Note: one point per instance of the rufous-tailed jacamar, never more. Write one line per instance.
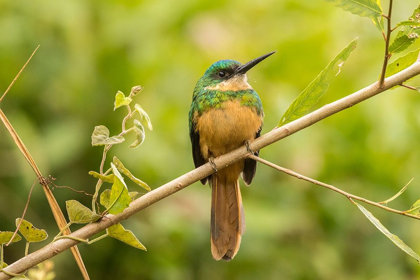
(225, 114)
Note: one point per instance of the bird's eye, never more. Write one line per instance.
(222, 74)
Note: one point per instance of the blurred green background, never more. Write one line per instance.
(295, 230)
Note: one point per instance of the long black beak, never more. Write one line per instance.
(245, 67)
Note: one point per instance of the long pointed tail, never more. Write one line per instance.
(227, 217)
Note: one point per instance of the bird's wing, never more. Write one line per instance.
(250, 165)
(196, 151)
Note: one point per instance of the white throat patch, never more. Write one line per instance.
(238, 82)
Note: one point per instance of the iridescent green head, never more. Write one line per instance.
(227, 74)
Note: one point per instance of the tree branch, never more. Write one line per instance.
(205, 170)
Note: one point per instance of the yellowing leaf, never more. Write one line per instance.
(119, 199)
(31, 233)
(104, 198)
(397, 241)
(120, 233)
(121, 100)
(100, 137)
(120, 166)
(80, 214)
(5, 237)
(106, 178)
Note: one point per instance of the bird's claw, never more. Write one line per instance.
(213, 165)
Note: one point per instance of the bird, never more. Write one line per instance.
(225, 114)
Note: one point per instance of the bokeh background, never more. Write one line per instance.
(295, 230)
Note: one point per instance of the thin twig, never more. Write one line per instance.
(18, 74)
(409, 87)
(23, 214)
(346, 194)
(387, 40)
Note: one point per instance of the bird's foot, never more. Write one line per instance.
(211, 161)
(247, 145)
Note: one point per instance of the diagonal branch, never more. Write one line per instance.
(205, 170)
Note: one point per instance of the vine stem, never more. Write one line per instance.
(387, 37)
(331, 187)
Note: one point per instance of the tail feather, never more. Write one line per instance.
(227, 218)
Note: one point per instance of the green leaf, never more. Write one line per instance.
(31, 233)
(119, 199)
(379, 21)
(412, 23)
(80, 214)
(415, 208)
(397, 194)
(408, 34)
(121, 100)
(105, 178)
(144, 116)
(313, 92)
(401, 42)
(5, 237)
(397, 241)
(363, 8)
(401, 63)
(120, 166)
(100, 137)
(120, 233)
(140, 135)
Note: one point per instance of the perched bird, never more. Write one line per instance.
(225, 114)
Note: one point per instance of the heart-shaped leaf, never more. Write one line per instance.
(5, 237)
(80, 214)
(100, 137)
(31, 233)
(121, 100)
(120, 233)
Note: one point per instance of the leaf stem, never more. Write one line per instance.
(27, 248)
(346, 194)
(98, 238)
(387, 55)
